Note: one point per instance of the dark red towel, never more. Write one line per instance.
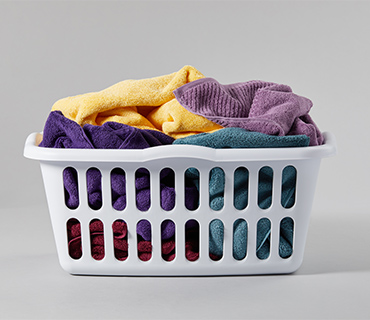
(121, 244)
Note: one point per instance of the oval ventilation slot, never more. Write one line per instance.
(241, 176)
(168, 194)
(142, 186)
(265, 178)
(286, 237)
(288, 188)
(240, 237)
(74, 238)
(216, 239)
(192, 240)
(263, 238)
(70, 183)
(97, 239)
(191, 189)
(216, 188)
(118, 188)
(94, 192)
(119, 228)
(144, 240)
(168, 232)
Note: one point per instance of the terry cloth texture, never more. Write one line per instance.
(239, 138)
(254, 105)
(144, 104)
(61, 132)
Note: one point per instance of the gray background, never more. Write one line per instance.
(50, 50)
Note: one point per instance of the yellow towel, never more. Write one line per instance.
(145, 104)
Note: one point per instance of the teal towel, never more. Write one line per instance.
(216, 236)
(240, 138)
(240, 233)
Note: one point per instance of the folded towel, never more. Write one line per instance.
(254, 105)
(240, 138)
(145, 104)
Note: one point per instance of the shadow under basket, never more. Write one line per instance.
(96, 238)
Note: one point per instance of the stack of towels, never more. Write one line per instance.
(182, 108)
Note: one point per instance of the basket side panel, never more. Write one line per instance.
(306, 180)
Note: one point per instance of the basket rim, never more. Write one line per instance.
(33, 151)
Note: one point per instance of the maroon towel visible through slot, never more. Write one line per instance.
(121, 244)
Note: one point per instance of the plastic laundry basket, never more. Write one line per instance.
(179, 158)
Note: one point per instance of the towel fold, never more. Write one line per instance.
(145, 104)
(258, 106)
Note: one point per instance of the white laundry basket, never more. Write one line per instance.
(179, 158)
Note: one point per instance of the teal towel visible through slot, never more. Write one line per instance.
(240, 138)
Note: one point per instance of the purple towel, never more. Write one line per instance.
(61, 132)
(254, 105)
